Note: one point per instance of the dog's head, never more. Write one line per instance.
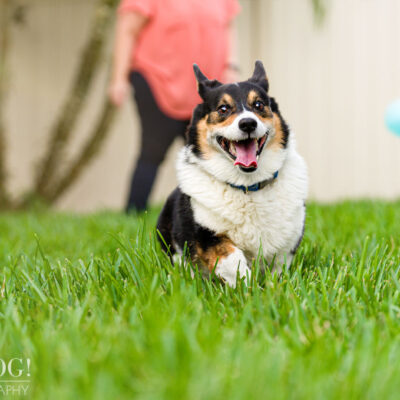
(237, 134)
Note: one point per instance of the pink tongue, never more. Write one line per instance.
(246, 153)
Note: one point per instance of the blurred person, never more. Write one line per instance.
(156, 44)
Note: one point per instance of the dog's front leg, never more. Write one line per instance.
(227, 260)
(227, 267)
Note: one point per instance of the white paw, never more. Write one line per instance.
(227, 268)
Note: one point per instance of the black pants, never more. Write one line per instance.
(158, 132)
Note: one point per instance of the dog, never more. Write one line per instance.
(242, 185)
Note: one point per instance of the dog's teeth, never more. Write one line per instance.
(232, 148)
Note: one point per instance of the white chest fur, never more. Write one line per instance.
(270, 219)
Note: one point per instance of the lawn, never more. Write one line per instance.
(102, 314)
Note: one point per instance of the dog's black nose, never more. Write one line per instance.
(247, 125)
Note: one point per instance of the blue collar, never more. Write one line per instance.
(257, 186)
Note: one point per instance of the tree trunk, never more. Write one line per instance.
(5, 24)
(73, 105)
(319, 8)
(90, 149)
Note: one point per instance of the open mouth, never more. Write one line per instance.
(245, 153)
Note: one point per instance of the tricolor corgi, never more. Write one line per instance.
(241, 183)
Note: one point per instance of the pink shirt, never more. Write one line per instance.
(178, 34)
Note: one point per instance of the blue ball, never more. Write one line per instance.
(392, 117)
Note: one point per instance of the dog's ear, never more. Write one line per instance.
(203, 83)
(259, 76)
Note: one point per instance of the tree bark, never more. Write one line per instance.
(5, 24)
(73, 105)
(91, 148)
(319, 8)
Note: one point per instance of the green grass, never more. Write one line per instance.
(102, 314)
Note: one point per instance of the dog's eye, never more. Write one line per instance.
(223, 110)
(259, 105)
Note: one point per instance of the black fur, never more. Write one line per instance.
(239, 95)
(176, 225)
(212, 92)
(191, 136)
(204, 84)
(259, 76)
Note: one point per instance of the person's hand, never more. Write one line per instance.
(118, 90)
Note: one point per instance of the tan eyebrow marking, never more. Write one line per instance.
(226, 99)
(215, 119)
(252, 97)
